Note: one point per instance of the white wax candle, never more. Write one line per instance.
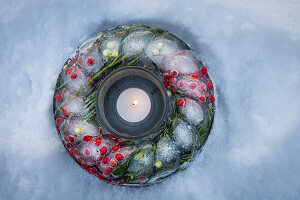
(133, 105)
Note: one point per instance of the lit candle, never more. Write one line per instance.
(133, 105)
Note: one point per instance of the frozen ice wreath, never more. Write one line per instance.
(124, 144)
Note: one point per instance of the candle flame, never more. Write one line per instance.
(134, 103)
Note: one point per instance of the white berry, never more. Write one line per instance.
(110, 45)
(114, 54)
(155, 52)
(106, 52)
(160, 45)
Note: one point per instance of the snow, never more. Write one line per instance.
(252, 53)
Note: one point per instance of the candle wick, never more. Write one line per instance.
(134, 102)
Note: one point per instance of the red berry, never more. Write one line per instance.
(70, 153)
(184, 53)
(58, 97)
(106, 174)
(75, 151)
(171, 81)
(99, 158)
(202, 98)
(173, 73)
(57, 128)
(115, 148)
(180, 102)
(90, 61)
(65, 112)
(204, 70)
(113, 163)
(68, 70)
(195, 76)
(69, 145)
(101, 177)
(166, 84)
(85, 167)
(210, 85)
(93, 170)
(86, 152)
(71, 138)
(88, 79)
(65, 139)
(108, 169)
(87, 138)
(166, 76)
(203, 87)
(196, 71)
(142, 179)
(103, 150)
(105, 160)
(79, 160)
(192, 85)
(120, 143)
(119, 157)
(74, 76)
(211, 98)
(59, 120)
(98, 141)
(180, 84)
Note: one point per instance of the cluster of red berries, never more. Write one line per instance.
(74, 71)
(111, 160)
(69, 70)
(170, 80)
(108, 158)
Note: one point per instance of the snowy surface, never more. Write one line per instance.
(252, 49)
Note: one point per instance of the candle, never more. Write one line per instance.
(133, 105)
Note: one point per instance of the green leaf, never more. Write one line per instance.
(122, 168)
(59, 83)
(205, 127)
(153, 148)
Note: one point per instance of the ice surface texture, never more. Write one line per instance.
(124, 162)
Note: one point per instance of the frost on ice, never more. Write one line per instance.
(142, 163)
(136, 41)
(183, 136)
(192, 111)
